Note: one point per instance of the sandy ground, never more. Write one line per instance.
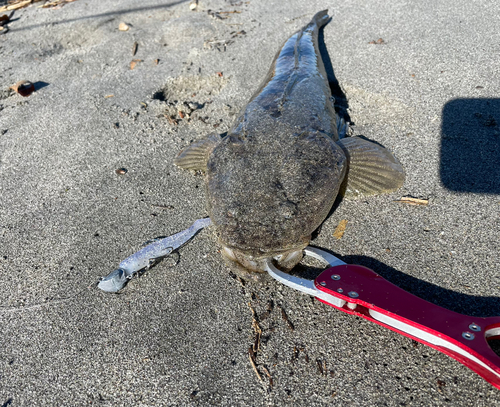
(428, 91)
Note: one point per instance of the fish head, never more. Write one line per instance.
(266, 195)
(250, 265)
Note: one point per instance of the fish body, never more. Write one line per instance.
(272, 180)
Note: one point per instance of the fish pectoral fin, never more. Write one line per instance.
(372, 169)
(195, 157)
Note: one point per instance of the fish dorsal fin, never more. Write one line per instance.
(372, 169)
(195, 157)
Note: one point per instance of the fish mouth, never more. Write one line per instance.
(253, 268)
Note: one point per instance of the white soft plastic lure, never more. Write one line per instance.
(142, 259)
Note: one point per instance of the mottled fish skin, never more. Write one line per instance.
(273, 179)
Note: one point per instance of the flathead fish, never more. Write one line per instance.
(273, 178)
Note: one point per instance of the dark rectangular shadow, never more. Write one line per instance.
(470, 146)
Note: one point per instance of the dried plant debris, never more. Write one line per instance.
(285, 318)
(251, 356)
(219, 45)
(340, 229)
(17, 4)
(171, 120)
(322, 367)
(235, 34)
(221, 15)
(229, 12)
(185, 97)
(134, 63)
(252, 351)
(256, 328)
(255, 348)
(163, 206)
(24, 88)
(56, 4)
(271, 383)
(258, 334)
(380, 41)
(222, 44)
(413, 201)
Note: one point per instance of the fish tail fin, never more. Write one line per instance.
(320, 18)
(372, 169)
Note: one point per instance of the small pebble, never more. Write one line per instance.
(123, 27)
(24, 88)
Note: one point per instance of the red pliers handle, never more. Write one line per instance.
(360, 291)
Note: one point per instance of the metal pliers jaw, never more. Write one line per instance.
(360, 291)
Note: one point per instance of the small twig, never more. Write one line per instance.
(251, 356)
(256, 343)
(321, 366)
(256, 328)
(271, 383)
(162, 206)
(171, 120)
(285, 318)
(258, 332)
(254, 314)
(413, 201)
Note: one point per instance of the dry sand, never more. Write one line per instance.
(429, 91)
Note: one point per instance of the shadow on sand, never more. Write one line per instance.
(470, 146)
